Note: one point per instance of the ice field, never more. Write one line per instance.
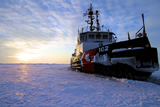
(55, 85)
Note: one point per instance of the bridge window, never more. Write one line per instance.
(105, 36)
(98, 36)
(91, 36)
(110, 38)
(82, 38)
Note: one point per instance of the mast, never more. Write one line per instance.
(91, 14)
(144, 31)
(143, 27)
(97, 20)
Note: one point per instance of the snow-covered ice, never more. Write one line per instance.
(38, 85)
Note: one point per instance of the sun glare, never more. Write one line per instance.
(24, 56)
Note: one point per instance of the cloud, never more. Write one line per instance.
(29, 22)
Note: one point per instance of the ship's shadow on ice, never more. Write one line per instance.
(111, 78)
(100, 75)
(152, 78)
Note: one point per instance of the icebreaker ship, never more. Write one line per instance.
(98, 52)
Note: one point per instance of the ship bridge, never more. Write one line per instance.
(90, 40)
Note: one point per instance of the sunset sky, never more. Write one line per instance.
(45, 31)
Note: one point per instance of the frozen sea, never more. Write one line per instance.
(55, 85)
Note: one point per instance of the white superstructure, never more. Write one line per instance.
(91, 40)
